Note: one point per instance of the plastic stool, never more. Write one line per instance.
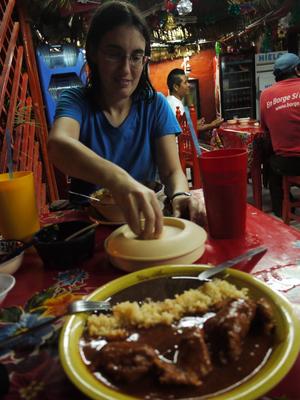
(289, 206)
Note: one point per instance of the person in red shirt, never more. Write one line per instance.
(280, 118)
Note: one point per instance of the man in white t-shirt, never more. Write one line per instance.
(179, 87)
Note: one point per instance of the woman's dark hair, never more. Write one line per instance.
(109, 16)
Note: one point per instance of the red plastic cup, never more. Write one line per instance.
(224, 179)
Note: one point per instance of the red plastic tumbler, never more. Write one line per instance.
(224, 178)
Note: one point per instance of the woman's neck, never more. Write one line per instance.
(116, 111)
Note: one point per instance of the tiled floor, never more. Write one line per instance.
(267, 203)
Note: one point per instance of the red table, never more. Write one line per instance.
(250, 136)
(39, 293)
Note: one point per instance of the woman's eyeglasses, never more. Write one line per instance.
(136, 60)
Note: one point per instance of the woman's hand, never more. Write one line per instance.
(192, 208)
(140, 207)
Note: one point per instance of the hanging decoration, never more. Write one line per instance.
(266, 45)
(248, 8)
(295, 12)
(218, 48)
(179, 34)
(170, 6)
(184, 7)
(79, 7)
(186, 65)
(174, 21)
(283, 25)
(234, 10)
(170, 23)
(98, 2)
(185, 20)
(165, 52)
(209, 20)
(163, 17)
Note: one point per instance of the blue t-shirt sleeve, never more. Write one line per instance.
(70, 104)
(166, 122)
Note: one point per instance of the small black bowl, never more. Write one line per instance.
(56, 253)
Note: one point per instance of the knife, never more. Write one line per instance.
(230, 263)
(205, 276)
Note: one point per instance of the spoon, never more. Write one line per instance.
(83, 230)
(83, 195)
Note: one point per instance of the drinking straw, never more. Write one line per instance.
(9, 154)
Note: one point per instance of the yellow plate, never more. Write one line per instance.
(281, 360)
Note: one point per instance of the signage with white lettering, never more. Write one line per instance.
(267, 58)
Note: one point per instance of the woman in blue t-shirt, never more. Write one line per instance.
(118, 131)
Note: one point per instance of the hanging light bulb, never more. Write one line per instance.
(184, 7)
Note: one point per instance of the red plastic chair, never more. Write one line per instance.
(288, 206)
(187, 151)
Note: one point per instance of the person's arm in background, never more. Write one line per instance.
(75, 159)
(202, 126)
(175, 181)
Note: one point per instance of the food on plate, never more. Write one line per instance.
(245, 119)
(106, 206)
(104, 196)
(200, 342)
(231, 121)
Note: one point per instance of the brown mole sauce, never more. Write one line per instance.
(256, 350)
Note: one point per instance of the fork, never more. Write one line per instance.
(87, 306)
(72, 308)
